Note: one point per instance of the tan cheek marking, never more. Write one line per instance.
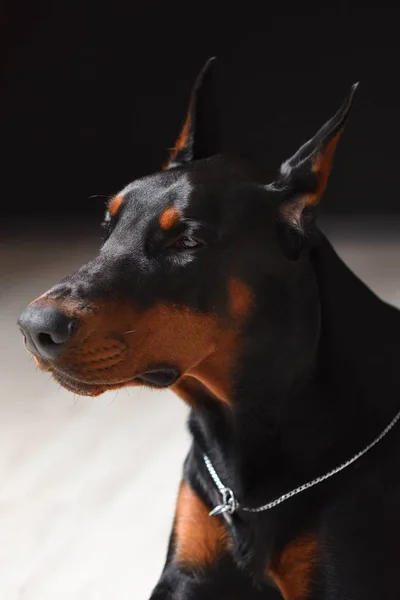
(322, 167)
(190, 390)
(215, 374)
(115, 342)
(124, 341)
(240, 298)
(115, 204)
(211, 376)
(293, 569)
(169, 218)
(200, 539)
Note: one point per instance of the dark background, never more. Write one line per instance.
(94, 92)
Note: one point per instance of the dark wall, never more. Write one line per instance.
(93, 92)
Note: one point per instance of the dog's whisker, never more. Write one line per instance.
(130, 331)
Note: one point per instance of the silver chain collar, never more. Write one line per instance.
(230, 505)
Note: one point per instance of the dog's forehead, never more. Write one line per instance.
(157, 191)
(193, 187)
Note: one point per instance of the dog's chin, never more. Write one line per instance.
(82, 388)
(161, 378)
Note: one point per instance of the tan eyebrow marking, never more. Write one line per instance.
(115, 204)
(169, 218)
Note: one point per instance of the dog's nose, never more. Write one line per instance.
(47, 331)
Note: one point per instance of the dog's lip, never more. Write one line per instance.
(159, 377)
(81, 381)
(84, 388)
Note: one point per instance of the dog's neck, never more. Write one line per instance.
(278, 437)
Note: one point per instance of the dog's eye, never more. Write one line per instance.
(186, 243)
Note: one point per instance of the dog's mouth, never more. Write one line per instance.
(159, 378)
(91, 383)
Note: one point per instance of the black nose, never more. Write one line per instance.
(47, 330)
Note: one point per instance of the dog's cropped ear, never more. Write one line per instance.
(303, 178)
(195, 140)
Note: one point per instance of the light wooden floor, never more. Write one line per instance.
(87, 487)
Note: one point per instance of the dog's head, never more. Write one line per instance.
(190, 255)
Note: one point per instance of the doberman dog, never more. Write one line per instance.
(219, 285)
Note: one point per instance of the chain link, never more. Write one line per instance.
(234, 505)
(213, 474)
